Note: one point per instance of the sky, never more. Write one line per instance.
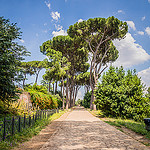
(41, 20)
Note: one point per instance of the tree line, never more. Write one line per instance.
(72, 61)
(69, 56)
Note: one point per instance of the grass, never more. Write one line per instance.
(29, 132)
(138, 127)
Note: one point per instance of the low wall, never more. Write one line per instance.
(25, 97)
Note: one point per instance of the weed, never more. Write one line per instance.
(27, 133)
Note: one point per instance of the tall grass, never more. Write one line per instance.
(27, 133)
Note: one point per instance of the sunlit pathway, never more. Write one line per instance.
(81, 130)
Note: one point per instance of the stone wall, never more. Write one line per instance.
(25, 97)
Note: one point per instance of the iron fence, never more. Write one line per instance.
(12, 125)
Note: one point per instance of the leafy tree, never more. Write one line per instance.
(84, 79)
(78, 102)
(98, 34)
(37, 66)
(56, 71)
(11, 55)
(148, 93)
(148, 90)
(25, 70)
(70, 49)
(86, 100)
(121, 95)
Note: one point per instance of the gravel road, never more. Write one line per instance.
(82, 131)
(79, 130)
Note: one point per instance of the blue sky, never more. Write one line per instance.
(40, 20)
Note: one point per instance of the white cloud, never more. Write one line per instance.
(55, 15)
(145, 74)
(149, 1)
(48, 4)
(131, 25)
(140, 32)
(60, 32)
(22, 41)
(143, 18)
(147, 30)
(121, 11)
(58, 27)
(130, 53)
(80, 20)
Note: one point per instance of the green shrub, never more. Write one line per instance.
(42, 98)
(86, 100)
(44, 101)
(121, 95)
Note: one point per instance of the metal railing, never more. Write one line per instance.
(12, 125)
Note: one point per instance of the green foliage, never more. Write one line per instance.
(97, 35)
(148, 93)
(78, 102)
(44, 101)
(148, 90)
(6, 109)
(11, 54)
(138, 127)
(25, 70)
(86, 100)
(121, 95)
(58, 98)
(38, 88)
(28, 133)
(42, 98)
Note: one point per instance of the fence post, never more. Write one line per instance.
(4, 133)
(57, 110)
(12, 126)
(29, 120)
(43, 114)
(24, 121)
(37, 115)
(19, 124)
(33, 118)
(40, 114)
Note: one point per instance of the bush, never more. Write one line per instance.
(42, 98)
(86, 100)
(44, 101)
(121, 95)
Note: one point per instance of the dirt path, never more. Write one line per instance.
(79, 130)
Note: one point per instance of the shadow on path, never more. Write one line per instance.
(79, 130)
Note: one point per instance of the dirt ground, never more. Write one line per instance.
(79, 130)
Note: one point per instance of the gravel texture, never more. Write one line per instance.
(79, 130)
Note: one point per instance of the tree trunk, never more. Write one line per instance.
(56, 87)
(24, 81)
(49, 86)
(67, 100)
(37, 74)
(92, 106)
(63, 93)
(73, 96)
(53, 88)
(61, 88)
(71, 102)
(76, 92)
